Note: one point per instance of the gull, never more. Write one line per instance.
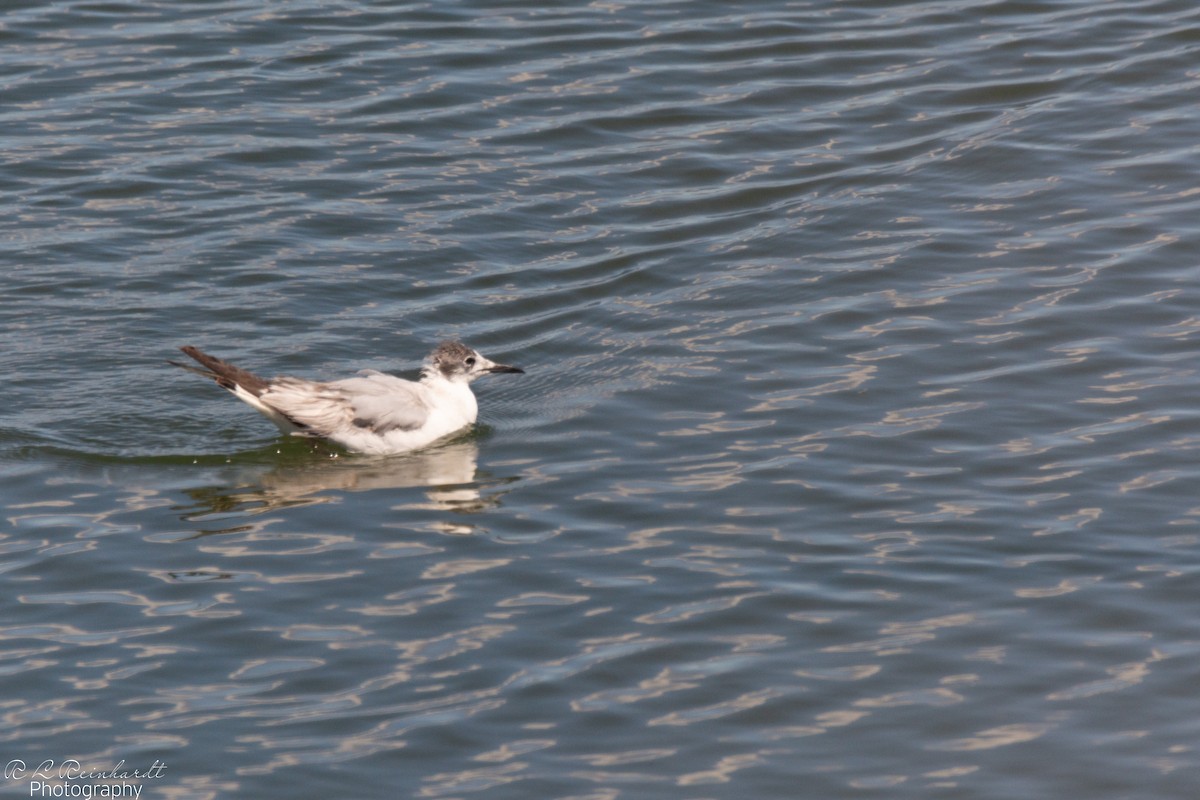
(371, 413)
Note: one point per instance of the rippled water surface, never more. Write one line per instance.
(855, 455)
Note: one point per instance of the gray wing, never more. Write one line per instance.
(383, 403)
(375, 401)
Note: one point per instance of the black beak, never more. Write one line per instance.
(505, 368)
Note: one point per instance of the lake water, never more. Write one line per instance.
(853, 458)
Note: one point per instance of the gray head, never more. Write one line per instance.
(454, 361)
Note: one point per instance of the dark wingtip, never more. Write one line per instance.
(224, 373)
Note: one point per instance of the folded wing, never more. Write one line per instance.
(373, 402)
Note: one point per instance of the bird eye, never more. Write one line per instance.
(470, 361)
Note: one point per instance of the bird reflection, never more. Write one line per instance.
(448, 474)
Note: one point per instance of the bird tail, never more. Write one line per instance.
(245, 385)
(225, 374)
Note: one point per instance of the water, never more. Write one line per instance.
(854, 457)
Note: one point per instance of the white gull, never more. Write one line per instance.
(371, 413)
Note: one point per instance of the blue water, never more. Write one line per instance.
(852, 458)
